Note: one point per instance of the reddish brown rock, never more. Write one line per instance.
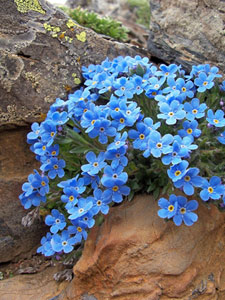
(135, 255)
(41, 286)
(16, 162)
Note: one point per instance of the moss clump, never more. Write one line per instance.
(142, 11)
(106, 26)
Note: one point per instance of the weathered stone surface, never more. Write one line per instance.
(188, 32)
(16, 162)
(40, 286)
(135, 255)
(41, 55)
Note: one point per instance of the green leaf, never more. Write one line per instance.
(79, 149)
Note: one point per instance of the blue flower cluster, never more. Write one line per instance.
(105, 120)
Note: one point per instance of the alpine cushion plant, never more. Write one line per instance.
(130, 128)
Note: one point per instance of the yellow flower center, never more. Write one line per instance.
(84, 111)
(189, 131)
(117, 109)
(184, 89)
(205, 83)
(64, 243)
(52, 134)
(194, 111)
(79, 229)
(92, 122)
(183, 210)
(154, 93)
(141, 136)
(71, 198)
(115, 188)
(81, 98)
(167, 73)
(171, 114)
(43, 183)
(171, 208)
(122, 120)
(187, 178)
(55, 167)
(159, 145)
(43, 147)
(210, 190)
(95, 164)
(94, 82)
(177, 173)
(81, 210)
(216, 121)
(53, 152)
(99, 202)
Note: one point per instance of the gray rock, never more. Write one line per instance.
(188, 32)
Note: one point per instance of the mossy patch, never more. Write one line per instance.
(24, 6)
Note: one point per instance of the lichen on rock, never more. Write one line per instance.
(24, 6)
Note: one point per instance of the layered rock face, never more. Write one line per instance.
(136, 255)
(188, 32)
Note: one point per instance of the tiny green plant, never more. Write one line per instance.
(131, 128)
(142, 11)
(105, 26)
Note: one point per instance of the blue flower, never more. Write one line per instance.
(95, 163)
(34, 199)
(123, 114)
(190, 129)
(56, 221)
(40, 148)
(35, 133)
(49, 132)
(168, 208)
(216, 119)
(212, 189)
(115, 192)
(185, 88)
(150, 125)
(100, 203)
(186, 145)
(54, 167)
(123, 87)
(189, 181)
(79, 229)
(46, 247)
(117, 156)
(140, 136)
(36, 183)
(174, 156)
(177, 171)
(119, 141)
(204, 82)
(114, 176)
(60, 118)
(184, 212)
(88, 219)
(83, 206)
(195, 110)
(102, 129)
(167, 71)
(70, 197)
(158, 145)
(63, 242)
(172, 112)
(221, 138)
